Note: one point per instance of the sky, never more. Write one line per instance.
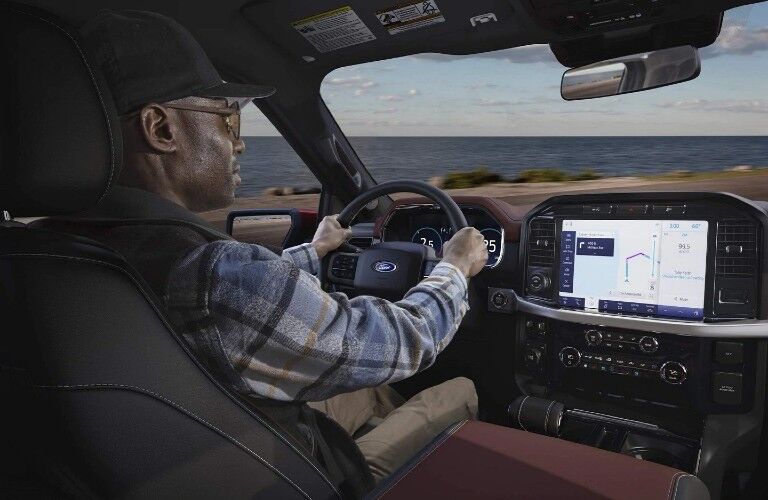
(516, 92)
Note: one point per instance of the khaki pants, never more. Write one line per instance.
(407, 426)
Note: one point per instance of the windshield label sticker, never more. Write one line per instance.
(409, 17)
(334, 29)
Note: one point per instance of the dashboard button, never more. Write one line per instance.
(726, 388)
(570, 356)
(538, 282)
(649, 344)
(596, 209)
(532, 356)
(729, 352)
(668, 209)
(632, 209)
(673, 372)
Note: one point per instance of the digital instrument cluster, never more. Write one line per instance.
(429, 226)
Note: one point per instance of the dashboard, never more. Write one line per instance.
(644, 314)
(428, 225)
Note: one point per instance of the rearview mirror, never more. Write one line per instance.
(623, 75)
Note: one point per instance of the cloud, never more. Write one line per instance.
(538, 53)
(725, 105)
(738, 39)
(358, 83)
(390, 98)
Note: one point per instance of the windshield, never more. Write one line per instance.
(494, 122)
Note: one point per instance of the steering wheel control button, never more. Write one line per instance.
(570, 356)
(649, 345)
(593, 337)
(726, 388)
(729, 352)
(538, 282)
(673, 372)
(343, 266)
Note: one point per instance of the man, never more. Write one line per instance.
(260, 321)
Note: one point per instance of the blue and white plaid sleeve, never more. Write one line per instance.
(271, 331)
(305, 257)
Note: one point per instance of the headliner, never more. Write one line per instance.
(254, 41)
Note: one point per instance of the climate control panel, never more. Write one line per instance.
(636, 368)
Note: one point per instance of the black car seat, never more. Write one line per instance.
(99, 397)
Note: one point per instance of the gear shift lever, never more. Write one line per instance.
(539, 415)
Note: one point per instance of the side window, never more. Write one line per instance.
(274, 180)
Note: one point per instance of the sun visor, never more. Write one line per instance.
(328, 33)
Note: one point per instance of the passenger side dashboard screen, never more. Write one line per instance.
(640, 267)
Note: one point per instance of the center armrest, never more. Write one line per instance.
(480, 460)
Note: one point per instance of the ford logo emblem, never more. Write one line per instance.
(384, 266)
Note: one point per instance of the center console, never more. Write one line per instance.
(642, 314)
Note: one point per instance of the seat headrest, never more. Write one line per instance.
(60, 138)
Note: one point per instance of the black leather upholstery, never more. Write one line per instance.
(100, 397)
(61, 144)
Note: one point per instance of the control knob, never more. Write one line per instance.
(499, 300)
(673, 372)
(570, 356)
(649, 344)
(538, 282)
(593, 337)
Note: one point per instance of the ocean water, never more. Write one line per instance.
(269, 161)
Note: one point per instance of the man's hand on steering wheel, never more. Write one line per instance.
(330, 235)
(467, 251)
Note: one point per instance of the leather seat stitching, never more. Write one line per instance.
(520, 412)
(98, 93)
(183, 410)
(186, 351)
(434, 448)
(684, 476)
(672, 483)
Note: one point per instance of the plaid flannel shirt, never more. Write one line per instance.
(266, 324)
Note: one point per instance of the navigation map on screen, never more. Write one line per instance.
(644, 267)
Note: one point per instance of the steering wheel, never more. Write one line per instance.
(389, 269)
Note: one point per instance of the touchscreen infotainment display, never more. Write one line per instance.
(643, 267)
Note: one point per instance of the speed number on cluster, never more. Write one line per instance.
(431, 237)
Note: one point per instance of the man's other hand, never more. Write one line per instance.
(329, 235)
(467, 251)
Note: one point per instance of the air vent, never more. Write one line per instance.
(736, 249)
(361, 242)
(541, 243)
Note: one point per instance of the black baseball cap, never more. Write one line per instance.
(147, 57)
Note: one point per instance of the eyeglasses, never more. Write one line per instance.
(231, 115)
